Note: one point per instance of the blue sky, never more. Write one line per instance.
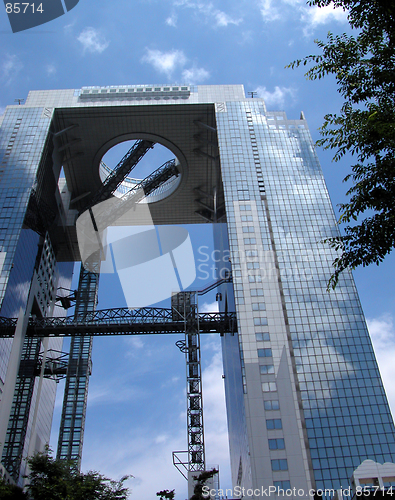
(137, 409)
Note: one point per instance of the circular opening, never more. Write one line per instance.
(156, 158)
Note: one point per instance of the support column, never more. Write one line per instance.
(72, 425)
(20, 409)
(184, 305)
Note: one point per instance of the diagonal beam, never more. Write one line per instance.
(121, 171)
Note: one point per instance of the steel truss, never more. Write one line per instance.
(123, 321)
(184, 307)
(7, 327)
(20, 410)
(154, 180)
(72, 424)
(122, 170)
(144, 188)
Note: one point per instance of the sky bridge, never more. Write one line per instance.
(120, 321)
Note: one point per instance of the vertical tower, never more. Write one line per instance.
(310, 405)
(30, 276)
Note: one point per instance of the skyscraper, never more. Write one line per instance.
(305, 401)
(30, 276)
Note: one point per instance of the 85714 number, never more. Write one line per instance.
(22, 8)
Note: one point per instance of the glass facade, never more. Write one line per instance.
(29, 276)
(307, 349)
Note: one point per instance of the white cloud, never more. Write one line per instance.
(311, 17)
(222, 19)
(294, 3)
(172, 20)
(247, 37)
(69, 27)
(277, 97)
(51, 69)
(10, 68)
(208, 307)
(382, 331)
(269, 13)
(165, 62)
(92, 40)
(217, 17)
(195, 75)
(116, 390)
(142, 452)
(162, 438)
(314, 16)
(168, 62)
(135, 342)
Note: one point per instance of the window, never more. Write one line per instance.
(248, 229)
(251, 253)
(264, 353)
(274, 423)
(254, 279)
(266, 369)
(269, 387)
(279, 464)
(258, 306)
(252, 265)
(243, 194)
(260, 321)
(262, 336)
(282, 485)
(272, 405)
(249, 241)
(256, 292)
(246, 218)
(245, 207)
(276, 444)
